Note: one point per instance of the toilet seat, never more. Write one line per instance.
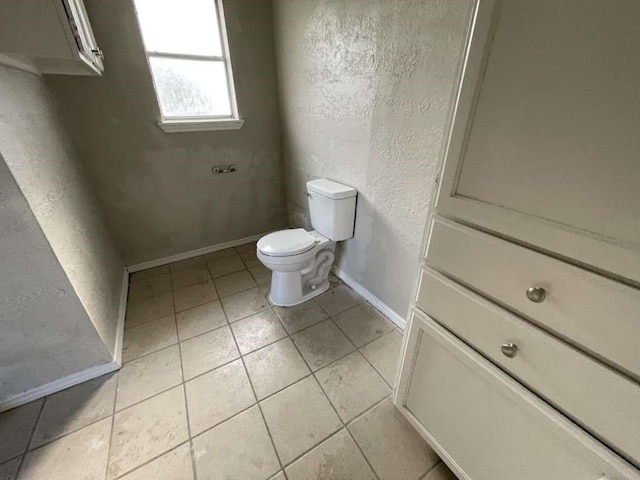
(286, 243)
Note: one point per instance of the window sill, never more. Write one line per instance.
(177, 126)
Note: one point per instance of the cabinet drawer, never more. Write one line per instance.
(603, 401)
(598, 314)
(487, 426)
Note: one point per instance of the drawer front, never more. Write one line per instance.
(489, 427)
(598, 314)
(603, 401)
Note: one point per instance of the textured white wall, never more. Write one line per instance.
(156, 189)
(39, 154)
(45, 333)
(366, 91)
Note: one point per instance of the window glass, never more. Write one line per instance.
(189, 88)
(180, 26)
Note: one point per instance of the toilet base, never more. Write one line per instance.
(290, 301)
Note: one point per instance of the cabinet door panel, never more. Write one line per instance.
(546, 144)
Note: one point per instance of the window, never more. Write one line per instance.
(185, 43)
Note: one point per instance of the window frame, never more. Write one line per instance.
(198, 122)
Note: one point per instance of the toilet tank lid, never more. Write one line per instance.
(330, 189)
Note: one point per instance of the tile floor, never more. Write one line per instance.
(219, 384)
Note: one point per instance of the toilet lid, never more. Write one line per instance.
(286, 242)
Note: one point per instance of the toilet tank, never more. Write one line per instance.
(332, 207)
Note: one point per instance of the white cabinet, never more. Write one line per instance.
(48, 36)
(486, 426)
(520, 359)
(545, 145)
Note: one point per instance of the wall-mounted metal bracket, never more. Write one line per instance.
(230, 169)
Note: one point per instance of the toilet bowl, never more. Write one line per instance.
(301, 260)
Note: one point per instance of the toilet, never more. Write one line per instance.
(301, 260)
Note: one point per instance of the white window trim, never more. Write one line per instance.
(201, 123)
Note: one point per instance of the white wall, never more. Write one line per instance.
(40, 156)
(45, 333)
(366, 91)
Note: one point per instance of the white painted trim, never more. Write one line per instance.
(122, 311)
(193, 253)
(57, 385)
(200, 125)
(382, 307)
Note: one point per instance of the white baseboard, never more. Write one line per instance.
(371, 298)
(57, 385)
(193, 253)
(122, 311)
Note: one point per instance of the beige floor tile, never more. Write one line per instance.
(9, 470)
(207, 351)
(257, 330)
(81, 455)
(149, 287)
(352, 385)
(440, 472)
(338, 299)
(149, 337)
(338, 457)
(239, 448)
(16, 426)
(218, 395)
(149, 375)
(261, 274)
(275, 367)
(173, 465)
(362, 324)
(225, 265)
(322, 344)
(227, 252)
(234, 283)
(184, 277)
(384, 354)
(194, 295)
(250, 259)
(244, 304)
(147, 430)
(299, 418)
(201, 319)
(392, 446)
(74, 408)
(278, 476)
(152, 308)
(148, 273)
(188, 263)
(300, 316)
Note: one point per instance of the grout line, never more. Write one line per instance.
(151, 459)
(312, 372)
(372, 365)
(149, 353)
(255, 396)
(184, 393)
(33, 430)
(366, 459)
(295, 459)
(113, 424)
(344, 424)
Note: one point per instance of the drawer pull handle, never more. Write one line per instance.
(536, 294)
(509, 350)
